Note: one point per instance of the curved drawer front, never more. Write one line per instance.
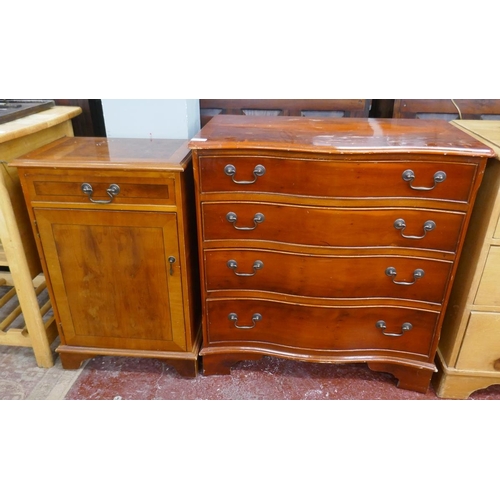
(327, 275)
(323, 328)
(332, 227)
(343, 179)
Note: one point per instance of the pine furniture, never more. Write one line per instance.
(114, 229)
(331, 240)
(19, 260)
(469, 349)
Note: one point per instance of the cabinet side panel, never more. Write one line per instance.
(472, 261)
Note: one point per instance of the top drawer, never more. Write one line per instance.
(338, 179)
(100, 189)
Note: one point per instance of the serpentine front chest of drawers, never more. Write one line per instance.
(331, 240)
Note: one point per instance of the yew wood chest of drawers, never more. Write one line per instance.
(115, 227)
(329, 240)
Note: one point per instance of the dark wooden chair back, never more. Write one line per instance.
(447, 109)
(335, 108)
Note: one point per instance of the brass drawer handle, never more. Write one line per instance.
(409, 176)
(392, 273)
(112, 191)
(400, 225)
(258, 171)
(234, 317)
(232, 264)
(406, 327)
(232, 218)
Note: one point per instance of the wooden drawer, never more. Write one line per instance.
(335, 178)
(66, 187)
(319, 327)
(480, 349)
(488, 293)
(326, 275)
(331, 227)
(496, 234)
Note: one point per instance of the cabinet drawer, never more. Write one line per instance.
(496, 234)
(488, 293)
(343, 179)
(326, 275)
(481, 346)
(332, 227)
(315, 327)
(131, 190)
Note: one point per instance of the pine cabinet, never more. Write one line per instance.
(469, 349)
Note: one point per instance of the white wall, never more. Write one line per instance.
(151, 118)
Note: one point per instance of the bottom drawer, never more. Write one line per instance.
(245, 322)
(481, 346)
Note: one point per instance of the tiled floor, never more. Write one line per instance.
(111, 378)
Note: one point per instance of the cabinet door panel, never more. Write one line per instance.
(113, 284)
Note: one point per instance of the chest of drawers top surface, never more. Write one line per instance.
(346, 135)
(96, 152)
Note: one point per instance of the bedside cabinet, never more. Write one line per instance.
(469, 350)
(113, 220)
(331, 241)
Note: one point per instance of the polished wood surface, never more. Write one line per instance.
(18, 251)
(309, 213)
(117, 254)
(324, 178)
(337, 227)
(327, 275)
(154, 189)
(344, 136)
(469, 349)
(89, 153)
(121, 268)
(347, 331)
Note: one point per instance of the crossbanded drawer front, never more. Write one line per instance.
(102, 191)
(332, 227)
(326, 275)
(439, 180)
(325, 328)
